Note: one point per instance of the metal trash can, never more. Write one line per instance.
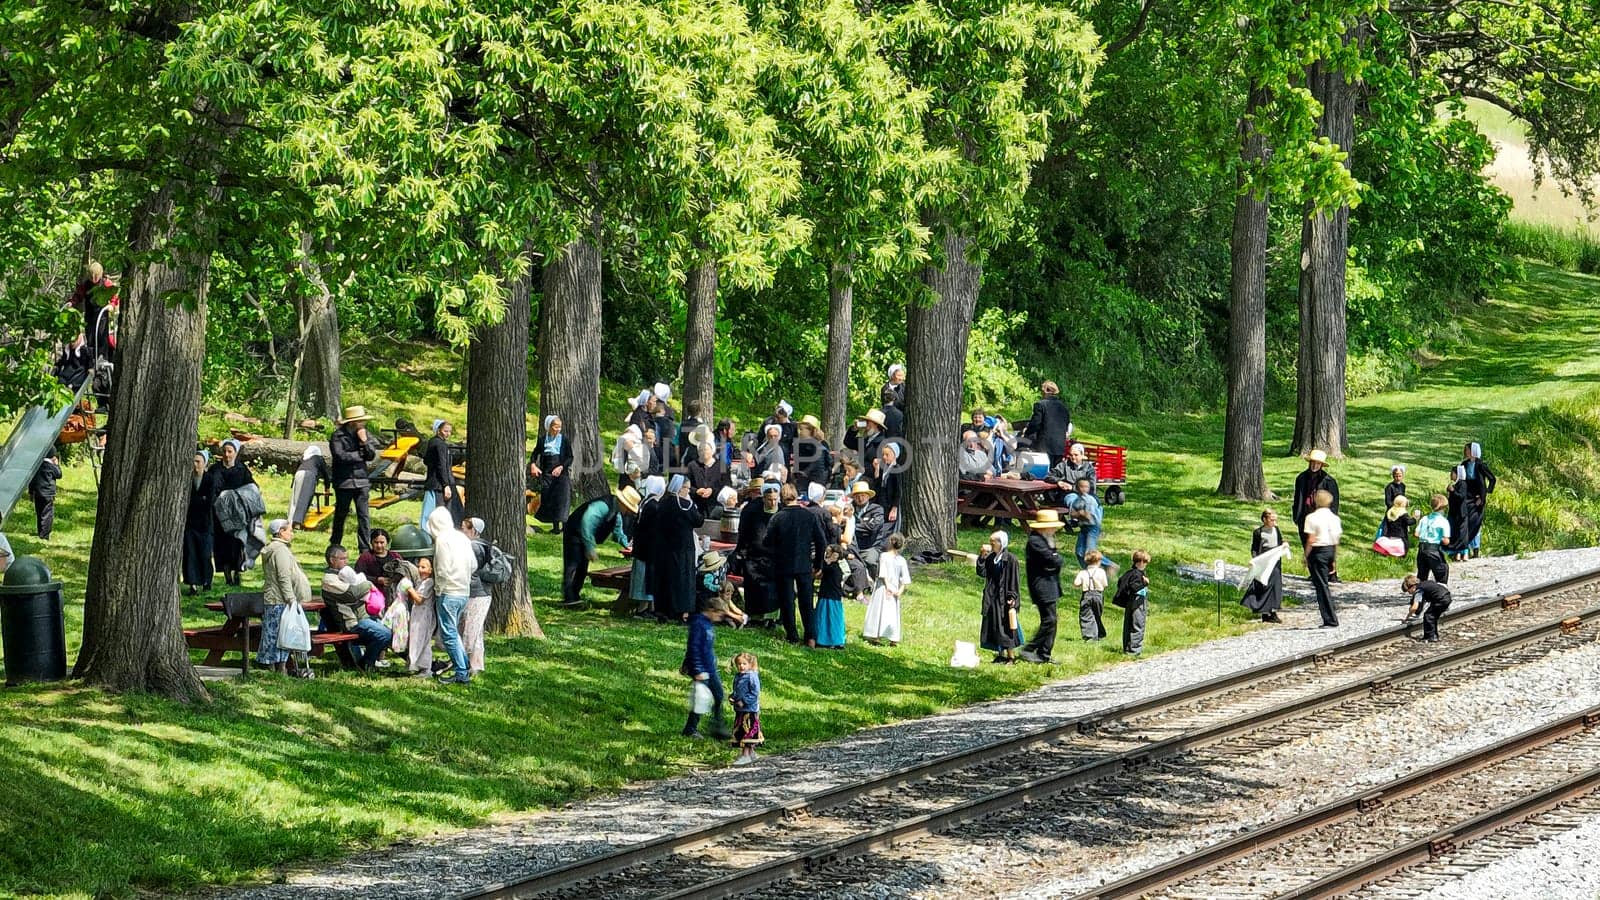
(31, 623)
(410, 542)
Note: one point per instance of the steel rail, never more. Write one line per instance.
(1445, 841)
(916, 827)
(1268, 834)
(647, 851)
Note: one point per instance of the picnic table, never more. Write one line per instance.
(1005, 498)
(239, 633)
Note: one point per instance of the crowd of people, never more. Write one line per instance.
(1450, 530)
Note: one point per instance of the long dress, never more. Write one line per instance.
(755, 563)
(303, 487)
(555, 491)
(197, 546)
(883, 610)
(1002, 594)
(1475, 491)
(674, 562)
(1460, 542)
(641, 581)
(227, 549)
(1259, 598)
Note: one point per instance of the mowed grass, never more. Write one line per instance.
(125, 794)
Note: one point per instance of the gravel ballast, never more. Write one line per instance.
(451, 864)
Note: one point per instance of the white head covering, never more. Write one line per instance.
(770, 486)
(655, 486)
(436, 424)
(276, 525)
(1461, 472)
(785, 408)
(547, 420)
(1001, 540)
(675, 485)
(477, 525)
(662, 392)
(726, 494)
(311, 451)
(772, 476)
(232, 442)
(1476, 450)
(816, 492)
(644, 396)
(1398, 468)
(895, 368)
(774, 428)
(1079, 448)
(892, 449)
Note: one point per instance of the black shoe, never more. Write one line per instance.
(1002, 659)
(1333, 578)
(573, 604)
(1031, 656)
(555, 529)
(1472, 555)
(1271, 617)
(1329, 625)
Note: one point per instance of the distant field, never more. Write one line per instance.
(1513, 172)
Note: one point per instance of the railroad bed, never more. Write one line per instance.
(820, 843)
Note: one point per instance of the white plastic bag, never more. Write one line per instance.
(294, 632)
(965, 657)
(699, 698)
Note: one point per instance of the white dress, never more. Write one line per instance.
(419, 644)
(883, 610)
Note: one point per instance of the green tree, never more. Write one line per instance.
(1000, 73)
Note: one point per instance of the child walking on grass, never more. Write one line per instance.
(1092, 603)
(700, 665)
(830, 599)
(746, 708)
(1133, 595)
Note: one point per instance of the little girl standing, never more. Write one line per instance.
(883, 610)
(1092, 582)
(830, 599)
(746, 708)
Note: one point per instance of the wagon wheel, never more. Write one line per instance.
(1114, 495)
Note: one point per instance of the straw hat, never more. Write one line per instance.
(875, 416)
(861, 487)
(710, 561)
(629, 498)
(1046, 520)
(700, 435)
(813, 421)
(1317, 456)
(354, 414)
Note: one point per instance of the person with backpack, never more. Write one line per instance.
(1133, 595)
(492, 567)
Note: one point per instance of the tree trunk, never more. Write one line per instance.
(318, 362)
(841, 342)
(1242, 473)
(1324, 242)
(497, 446)
(699, 339)
(936, 357)
(132, 629)
(569, 359)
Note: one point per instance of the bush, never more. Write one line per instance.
(1573, 249)
(1549, 489)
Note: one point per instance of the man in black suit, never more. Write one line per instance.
(796, 540)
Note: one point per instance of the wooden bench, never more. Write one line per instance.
(232, 637)
(223, 639)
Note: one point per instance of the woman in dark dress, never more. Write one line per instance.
(1266, 599)
(1477, 483)
(1457, 494)
(889, 484)
(706, 474)
(197, 569)
(813, 458)
(754, 561)
(228, 475)
(1002, 594)
(551, 466)
(676, 562)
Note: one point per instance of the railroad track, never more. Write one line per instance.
(781, 842)
(1365, 837)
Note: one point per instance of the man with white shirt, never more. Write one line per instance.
(1322, 531)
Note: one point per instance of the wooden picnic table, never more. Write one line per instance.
(1005, 498)
(240, 635)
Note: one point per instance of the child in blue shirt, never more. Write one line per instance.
(700, 662)
(747, 708)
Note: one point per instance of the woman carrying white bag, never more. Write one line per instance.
(285, 633)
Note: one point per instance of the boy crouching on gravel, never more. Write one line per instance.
(1430, 594)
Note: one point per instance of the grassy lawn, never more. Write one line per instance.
(123, 794)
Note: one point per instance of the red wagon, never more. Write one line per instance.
(1111, 469)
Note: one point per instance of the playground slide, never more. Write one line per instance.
(31, 441)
